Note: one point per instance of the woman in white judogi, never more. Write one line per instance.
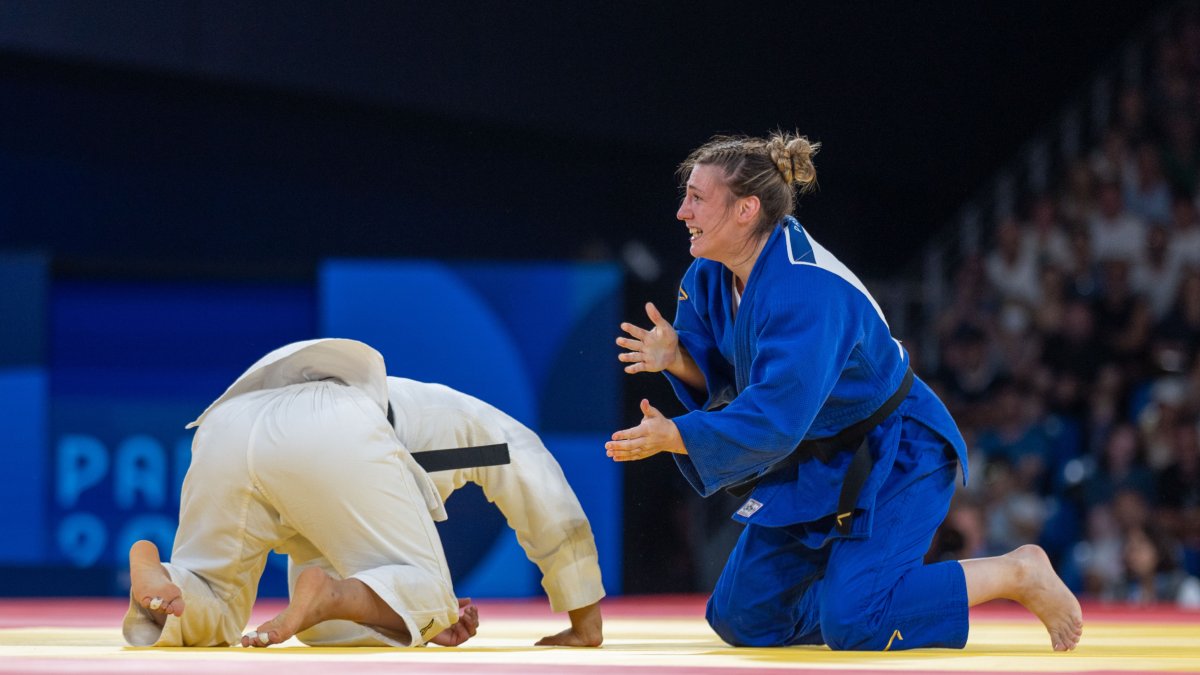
(298, 456)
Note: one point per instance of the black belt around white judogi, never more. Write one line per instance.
(449, 459)
(853, 437)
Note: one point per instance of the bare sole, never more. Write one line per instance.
(1048, 597)
(150, 585)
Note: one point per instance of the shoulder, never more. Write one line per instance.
(795, 257)
(701, 280)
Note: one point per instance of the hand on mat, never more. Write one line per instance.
(464, 629)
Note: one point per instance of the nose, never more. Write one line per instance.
(685, 212)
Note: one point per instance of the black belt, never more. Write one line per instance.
(462, 458)
(826, 449)
(450, 459)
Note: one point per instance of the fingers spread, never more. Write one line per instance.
(636, 331)
(656, 316)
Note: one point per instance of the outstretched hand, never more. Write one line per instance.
(655, 434)
(650, 351)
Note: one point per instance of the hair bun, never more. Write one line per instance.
(792, 155)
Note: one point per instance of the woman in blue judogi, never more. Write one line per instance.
(801, 400)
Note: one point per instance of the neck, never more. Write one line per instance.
(744, 265)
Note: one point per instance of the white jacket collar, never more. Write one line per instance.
(355, 363)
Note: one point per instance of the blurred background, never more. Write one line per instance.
(484, 190)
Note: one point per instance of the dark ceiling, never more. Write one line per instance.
(917, 104)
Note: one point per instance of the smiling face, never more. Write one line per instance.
(713, 216)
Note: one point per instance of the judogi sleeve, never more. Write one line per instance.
(534, 496)
(696, 335)
(802, 346)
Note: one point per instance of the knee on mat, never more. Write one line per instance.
(845, 631)
(733, 626)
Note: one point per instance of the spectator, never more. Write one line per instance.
(963, 535)
(1121, 466)
(1145, 188)
(1177, 335)
(1011, 268)
(1155, 276)
(1185, 232)
(1159, 418)
(1132, 120)
(1178, 484)
(1044, 238)
(1013, 516)
(1180, 154)
(1115, 232)
(1015, 436)
(1151, 572)
(1078, 203)
(1083, 279)
(968, 370)
(1077, 349)
(1048, 315)
(1112, 160)
(1098, 556)
(1123, 319)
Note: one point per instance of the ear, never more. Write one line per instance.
(747, 209)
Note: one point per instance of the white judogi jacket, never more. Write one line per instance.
(531, 491)
(354, 363)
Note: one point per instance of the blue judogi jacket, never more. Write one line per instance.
(808, 355)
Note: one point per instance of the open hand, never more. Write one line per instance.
(655, 434)
(650, 351)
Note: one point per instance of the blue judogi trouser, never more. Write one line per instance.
(862, 594)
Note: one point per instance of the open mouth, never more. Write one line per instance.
(694, 233)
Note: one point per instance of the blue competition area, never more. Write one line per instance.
(98, 379)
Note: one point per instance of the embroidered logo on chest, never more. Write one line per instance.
(749, 508)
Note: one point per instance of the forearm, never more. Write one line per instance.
(684, 369)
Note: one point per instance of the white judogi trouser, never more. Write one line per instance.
(314, 471)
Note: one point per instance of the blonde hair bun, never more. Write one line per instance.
(792, 155)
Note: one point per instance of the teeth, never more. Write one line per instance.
(694, 232)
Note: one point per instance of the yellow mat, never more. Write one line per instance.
(672, 644)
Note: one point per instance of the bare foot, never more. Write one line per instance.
(150, 585)
(586, 630)
(314, 595)
(1044, 594)
(464, 629)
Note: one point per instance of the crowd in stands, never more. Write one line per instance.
(1070, 355)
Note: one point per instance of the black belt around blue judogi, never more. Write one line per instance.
(853, 437)
(449, 459)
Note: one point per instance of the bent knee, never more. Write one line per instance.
(845, 628)
(849, 634)
(745, 634)
(740, 628)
